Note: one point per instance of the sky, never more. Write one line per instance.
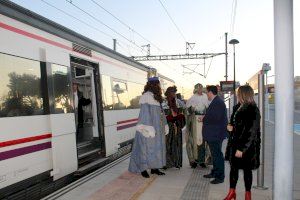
(201, 22)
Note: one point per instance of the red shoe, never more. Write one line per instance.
(231, 195)
(248, 195)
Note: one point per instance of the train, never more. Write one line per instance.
(40, 60)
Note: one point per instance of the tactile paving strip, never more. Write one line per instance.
(197, 187)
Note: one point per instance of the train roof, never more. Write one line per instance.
(164, 77)
(26, 16)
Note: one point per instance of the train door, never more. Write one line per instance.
(85, 83)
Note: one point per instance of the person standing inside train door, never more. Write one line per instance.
(79, 102)
(149, 148)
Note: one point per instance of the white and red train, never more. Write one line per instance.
(39, 59)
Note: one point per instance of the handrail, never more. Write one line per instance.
(227, 98)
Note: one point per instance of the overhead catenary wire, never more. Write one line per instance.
(127, 47)
(131, 29)
(132, 47)
(217, 40)
(162, 62)
(123, 45)
(233, 17)
(191, 70)
(85, 23)
(126, 25)
(165, 9)
(120, 42)
(209, 67)
(98, 20)
(124, 48)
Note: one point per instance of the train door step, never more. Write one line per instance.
(87, 153)
(84, 145)
(95, 152)
(93, 165)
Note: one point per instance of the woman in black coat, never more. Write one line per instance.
(244, 150)
(230, 128)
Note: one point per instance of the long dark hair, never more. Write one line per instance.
(171, 94)
(154, 87)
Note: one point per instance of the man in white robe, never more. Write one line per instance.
(195, 145)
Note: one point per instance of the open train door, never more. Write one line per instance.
(88, 112)
(61, 119)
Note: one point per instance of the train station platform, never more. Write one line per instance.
(184, 184)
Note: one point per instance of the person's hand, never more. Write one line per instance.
(200, 119)
(174, 114)
(229, 128)
(238, 154)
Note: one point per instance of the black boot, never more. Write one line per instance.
(156, 171)
(193, 165)
(145, 174)
(203, 165)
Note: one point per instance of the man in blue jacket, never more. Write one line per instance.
(214, 132)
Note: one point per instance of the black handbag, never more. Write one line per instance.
(228, 151)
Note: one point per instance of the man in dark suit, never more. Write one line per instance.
(214, 132)
(79, 102)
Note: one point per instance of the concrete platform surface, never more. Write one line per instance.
(180, 184)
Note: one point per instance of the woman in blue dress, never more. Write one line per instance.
(149, 148)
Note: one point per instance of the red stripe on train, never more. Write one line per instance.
(126, 126)
(57, 44)
(34, 36)
(25, 140)
(125, 121)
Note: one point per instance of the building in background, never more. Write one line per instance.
(253, 82)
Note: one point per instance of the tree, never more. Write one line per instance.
(24, 96)
(62, 91)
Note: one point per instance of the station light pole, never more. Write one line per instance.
(234, 42)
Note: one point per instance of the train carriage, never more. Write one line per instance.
(39, 61)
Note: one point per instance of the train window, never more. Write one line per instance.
(61, 89)
(107, 97)
(135, 91)
(120, 95)
(20, 87)
(79, 71)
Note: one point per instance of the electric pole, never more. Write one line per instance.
(115, 44)
(226, 58)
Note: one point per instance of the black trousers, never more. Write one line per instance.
(234, 177)
(218, 159)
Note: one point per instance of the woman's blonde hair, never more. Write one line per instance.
(196, 87)
(245, 94)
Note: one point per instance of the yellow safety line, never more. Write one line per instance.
(136, 195)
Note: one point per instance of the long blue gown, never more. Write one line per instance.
(149, 152)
